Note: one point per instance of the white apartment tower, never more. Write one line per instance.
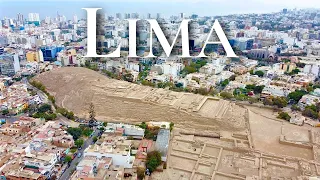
(34, 17)
(75, 18)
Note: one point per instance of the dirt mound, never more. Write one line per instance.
(75, 88)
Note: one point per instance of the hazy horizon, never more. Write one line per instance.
(10, 8)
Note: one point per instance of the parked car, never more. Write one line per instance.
(79, 155)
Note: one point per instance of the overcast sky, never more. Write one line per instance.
(10, 8)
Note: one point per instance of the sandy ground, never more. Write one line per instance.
(266, 132)
(76, 88)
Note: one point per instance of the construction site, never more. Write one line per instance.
(212, 138)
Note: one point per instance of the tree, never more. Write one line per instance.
(46, 116)
(284, 116)
(105, 124)
(52, 99)
(309, 112)
(258, 89)
(79, 142)
(64, 112)
(67, 159)
(268, 101)
(226, 95)
(171, 126)
(92, 113)
(295, 71)
(66, 44)
(259, 73)
(189, 69)
(297, 95)
(143, 125)
(280, 102)
(86, 131)
(309, 88)
(147, 83)
(5, 112)
(225, 83)
(141, 173)
(87, 63)
(153, 160)
(51, 116)
(295, 108)
(95, 139)
(75, 132)
(44, 108)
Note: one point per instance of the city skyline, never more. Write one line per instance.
(166, 8)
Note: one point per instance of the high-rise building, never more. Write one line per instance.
(50, 52)
(135, 16)
(9, 64)
(62, 19)
(47, 20)
(194, 16)
(20, 18)
(148, 16)
(34, 17)
(182, 15)
(75, 18)
(119, 16)
(284, 11)
(158, 15)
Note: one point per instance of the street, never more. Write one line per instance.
(66, 175)
(41, 94)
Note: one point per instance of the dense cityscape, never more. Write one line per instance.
(66, 116)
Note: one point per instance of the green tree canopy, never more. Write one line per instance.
(75, 132)
(297, 95)
(44, 108)
(79, 142)
(226, 95)
(153, 160)
(259, 73)
(284, 115)
(67, 159)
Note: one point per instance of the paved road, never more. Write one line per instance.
(41, 94)
(66, 175)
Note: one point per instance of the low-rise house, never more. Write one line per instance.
(118, 150)
(308, 100)
(275, 91)
(91, 167)
(22, 174)
(127, 130)
(211, 69)
(239, 69)
(145, 146)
